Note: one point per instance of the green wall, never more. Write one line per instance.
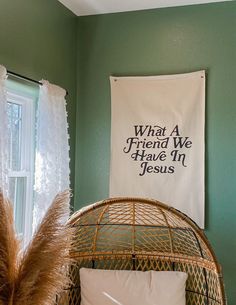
(162, 41)
(38, 40)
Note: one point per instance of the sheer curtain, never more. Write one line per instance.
(3, 131)
(52, 149)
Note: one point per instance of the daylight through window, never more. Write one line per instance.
(20, 113)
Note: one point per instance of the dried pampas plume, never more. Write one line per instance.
(38, 274)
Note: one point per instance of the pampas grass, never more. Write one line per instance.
(9, 250)
(37, 275)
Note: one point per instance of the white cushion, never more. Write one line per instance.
(121, 287)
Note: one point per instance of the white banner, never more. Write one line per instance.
(157, 140)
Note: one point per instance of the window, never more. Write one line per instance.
(21, 117)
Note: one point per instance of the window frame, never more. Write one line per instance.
(27, 156)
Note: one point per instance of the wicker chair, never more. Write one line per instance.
(140, 234)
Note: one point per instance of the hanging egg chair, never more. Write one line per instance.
(141, 234)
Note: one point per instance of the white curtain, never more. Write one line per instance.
(3, 131)
(52, 149)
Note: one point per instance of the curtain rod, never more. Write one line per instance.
(27, 78)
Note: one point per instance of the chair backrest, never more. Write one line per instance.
(141, 234)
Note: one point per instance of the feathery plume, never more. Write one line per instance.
(41, 271)
(9, 249)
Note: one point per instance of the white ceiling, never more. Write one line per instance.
(94, 7)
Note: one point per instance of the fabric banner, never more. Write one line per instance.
(157, 140)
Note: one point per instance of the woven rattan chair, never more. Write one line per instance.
(140, 234)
